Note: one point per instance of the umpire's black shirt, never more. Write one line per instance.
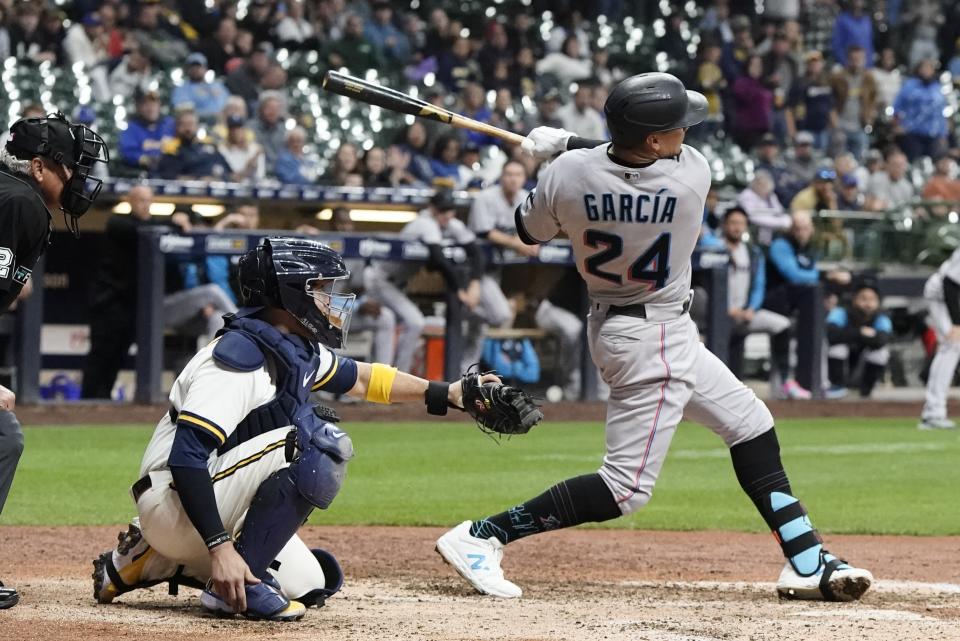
(24, 234)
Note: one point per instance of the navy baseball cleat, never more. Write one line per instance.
(834, 580)
(264, 603)
(9, 597)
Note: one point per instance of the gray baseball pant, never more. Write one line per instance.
(180, 308)
(493, 309)
(406, 313)
(944, 362)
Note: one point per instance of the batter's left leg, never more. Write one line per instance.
(732, 410)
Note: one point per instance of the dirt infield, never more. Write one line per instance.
(579, 584)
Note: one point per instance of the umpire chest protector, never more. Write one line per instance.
(245, 344)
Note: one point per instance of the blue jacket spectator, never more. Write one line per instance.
(186, 156)
(207, 98)
(141, 142)
(919, 109)
(514, 361)
(853, 27)
(393, 44)
(792, 263)
(858, 334)
(294, 167)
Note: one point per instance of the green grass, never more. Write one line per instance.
(855, 476)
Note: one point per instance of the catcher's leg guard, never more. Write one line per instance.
(333, 580)
(277, 511)
(305, 575)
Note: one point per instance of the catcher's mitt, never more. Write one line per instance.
(499, 408)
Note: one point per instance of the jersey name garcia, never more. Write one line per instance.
(632, 229)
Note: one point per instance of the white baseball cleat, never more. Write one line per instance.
(834, 580)
(477, 560)
(936, 424)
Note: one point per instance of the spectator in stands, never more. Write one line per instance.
(491, 218)
(392, 43)
(135, 71)
(733, 59)
(849, 197)
(523, 73)
(494, 53)
(234, 107)
(791, 269)
(890, 188)
(246, 216)
(456, 66)
(206, 97)
(294, 31)
(918, 109)
(244, 157)
(114, 33)
(888, 78)
(548, 113)
(858, 334)
(415, 142)
(113, 310)
(802, 165)
(746, 285)
(245, 80)
(762, 206)
(852, 28)
(854, 101)
(52, 31)
(578, 116)
(376, 173)
(221, 48)
(398, 165)
(259, 20)
(753, 105)
(294, 165)
(345, 162)
(354, 51)
(146, 133)
(27, 40)
(780, 71)
(845, 164)
(566, 65)
(85, 43)
(445, 169)
(268, 126)
(165, 39)
(943, 184)
(186, 156)
(475, 106)
(810, 104)
(768, 160)
(819, 195)
(4, 33)
(712, 84)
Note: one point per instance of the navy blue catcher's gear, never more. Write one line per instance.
(650, 102)
(321, 463)
(300, 276)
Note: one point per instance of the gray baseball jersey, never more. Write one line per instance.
(427, 230)
(632, 229)
(492, 210)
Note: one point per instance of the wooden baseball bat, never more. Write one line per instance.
(399, 102)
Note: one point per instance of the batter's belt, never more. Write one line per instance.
(655, 313)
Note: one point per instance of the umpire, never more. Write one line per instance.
(45, 167)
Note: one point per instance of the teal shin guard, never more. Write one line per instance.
(801, 543)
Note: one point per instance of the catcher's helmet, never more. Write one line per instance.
(300, 276)
(75, 146)
(648, 103)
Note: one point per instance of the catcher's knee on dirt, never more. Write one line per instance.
(761, 475)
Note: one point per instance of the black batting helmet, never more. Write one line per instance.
(648, 103)
(300, 276)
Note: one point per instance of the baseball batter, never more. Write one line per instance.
(942, 292)
(243, 456)
(632, 210)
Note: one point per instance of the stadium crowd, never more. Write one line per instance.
(828, 105)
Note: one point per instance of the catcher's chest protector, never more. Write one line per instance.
(244, 345)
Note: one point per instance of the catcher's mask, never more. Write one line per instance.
(77, 147)
(300, 276)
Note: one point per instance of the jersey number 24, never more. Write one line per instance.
(652, 266)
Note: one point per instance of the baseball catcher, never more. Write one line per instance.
(243, 456)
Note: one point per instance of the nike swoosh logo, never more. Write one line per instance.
(307, 378)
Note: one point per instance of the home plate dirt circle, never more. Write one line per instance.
(580, 584)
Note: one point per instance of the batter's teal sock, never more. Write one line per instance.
(582, 499)
(761, 475)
